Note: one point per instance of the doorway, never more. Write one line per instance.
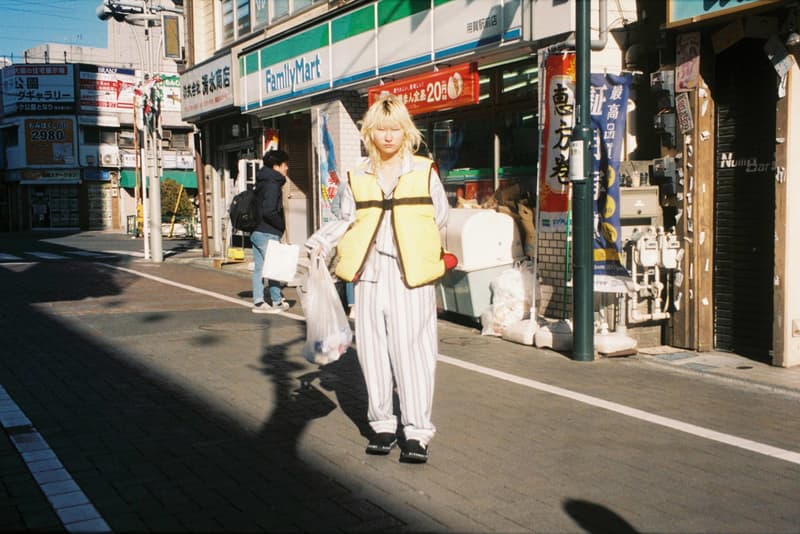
(295, 139)
(744, 200)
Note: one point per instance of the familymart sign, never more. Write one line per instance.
(380, 38)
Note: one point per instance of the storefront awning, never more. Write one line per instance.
(127, 178)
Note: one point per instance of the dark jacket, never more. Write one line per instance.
(268, 189)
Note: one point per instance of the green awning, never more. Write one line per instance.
(127, 178)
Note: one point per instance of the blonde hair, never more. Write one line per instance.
(387, 109)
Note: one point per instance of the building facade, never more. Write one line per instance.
(297, 75)
(71, 136)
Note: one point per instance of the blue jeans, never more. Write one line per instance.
(259, 241)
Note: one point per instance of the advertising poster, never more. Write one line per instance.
(50, 141)
(559, 119)
(444, 89)
(687, 60)
(170, 93)
(608, 110)
(328, 177)
(105, 88)
(38, 89)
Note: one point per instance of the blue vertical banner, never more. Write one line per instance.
(609, 109)
(328, 177)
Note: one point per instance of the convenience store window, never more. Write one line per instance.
(462, 141)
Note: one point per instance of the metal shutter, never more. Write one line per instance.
(744, 200)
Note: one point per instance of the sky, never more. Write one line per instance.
(28, 23)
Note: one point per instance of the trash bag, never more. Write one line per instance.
(328, 332)
(511, 299)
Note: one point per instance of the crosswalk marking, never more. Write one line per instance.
(47, 255)
(134, 253)
(69, 254)
(90, 254)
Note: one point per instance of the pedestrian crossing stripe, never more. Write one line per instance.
(90, 254)
(134, 253)
(67, 254)
(47, 255)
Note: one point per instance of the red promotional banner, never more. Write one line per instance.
(444, 89)
(559, 119)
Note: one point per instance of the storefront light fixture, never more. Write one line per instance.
(793, 39)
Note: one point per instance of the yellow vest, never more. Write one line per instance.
(413, 222)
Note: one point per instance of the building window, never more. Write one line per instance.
(240, 17)
(91, 135)
(227, 21)
(243, 17)
(280, 8)
(180, 140)
(126, 139)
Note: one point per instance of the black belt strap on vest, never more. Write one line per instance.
(388, 203)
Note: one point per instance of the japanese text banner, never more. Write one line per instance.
(559, 116)
(608, 109)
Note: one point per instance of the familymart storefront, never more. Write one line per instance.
(462, 67)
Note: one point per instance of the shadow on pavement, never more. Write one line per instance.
(597, 519)
(153, 455)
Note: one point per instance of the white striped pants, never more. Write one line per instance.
(396, 331)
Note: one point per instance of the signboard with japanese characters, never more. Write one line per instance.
(444, 89)
(377, 39)
(207, 87)
(38, 89)
(559, 120)
(50, 141)
(170, 93)
(609, 111)
(105, 88)
(461, 27)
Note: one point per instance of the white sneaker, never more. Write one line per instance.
(281, 305)
(261, 307)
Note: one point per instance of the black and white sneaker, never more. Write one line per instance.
(381, 443)
(260, 307)
(414, 452)
(263, 307)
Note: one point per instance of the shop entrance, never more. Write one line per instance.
(295, 139)
(54, 206)
(744, 200)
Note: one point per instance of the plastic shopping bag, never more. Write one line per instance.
(328, 332)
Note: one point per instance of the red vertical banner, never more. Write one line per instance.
(559, 120)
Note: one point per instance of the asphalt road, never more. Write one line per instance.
(144, 397)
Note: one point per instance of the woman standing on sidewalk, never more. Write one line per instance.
(394, 204)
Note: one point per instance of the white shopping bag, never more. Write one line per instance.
(328, 332)
(280, 261)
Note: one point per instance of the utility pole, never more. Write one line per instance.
(156, 251)
(145, 13)
(580, 161)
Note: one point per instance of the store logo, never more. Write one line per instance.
(292, 74)
(727, 160)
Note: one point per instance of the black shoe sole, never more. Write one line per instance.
(380, 450)
(408, 458)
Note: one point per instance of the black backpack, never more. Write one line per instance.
(244, 211)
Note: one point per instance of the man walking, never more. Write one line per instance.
(269, 182)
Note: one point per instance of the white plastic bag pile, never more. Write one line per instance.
(512, 294)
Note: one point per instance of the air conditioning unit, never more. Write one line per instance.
(109, 156)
